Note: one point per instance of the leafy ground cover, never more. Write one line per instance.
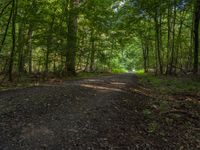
(174, 106)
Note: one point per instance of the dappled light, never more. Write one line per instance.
(101, 88)
(99, 74)
(117, 83)
(93, 80)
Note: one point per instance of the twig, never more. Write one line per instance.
(4, 8)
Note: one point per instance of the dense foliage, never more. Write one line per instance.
(68, 36)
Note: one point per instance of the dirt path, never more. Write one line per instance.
(96, 113)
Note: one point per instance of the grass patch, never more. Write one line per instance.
(14, 86)
(139, 72)
(168, 84)
(172, 105)
(119, 71)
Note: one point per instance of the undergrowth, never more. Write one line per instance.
(169, 84)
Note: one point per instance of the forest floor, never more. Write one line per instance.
(108, 112)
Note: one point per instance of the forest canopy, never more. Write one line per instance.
(63, 37)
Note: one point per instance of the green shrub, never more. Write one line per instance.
(119, 70)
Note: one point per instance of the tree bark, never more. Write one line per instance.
(72, 38)
(14, 7)
(168, 36)
(7, 27)
(30, 34)
(49, 40)
(145, 47)
(20, 48)
(158, 42)
(173, 40)
(92, 51)
(196, 36)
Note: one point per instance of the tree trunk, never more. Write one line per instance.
(20, 49)
(14, 7)
(92, 51)
(168, 36)
(145, 48)
(173, 41)
(87, 61)
(30, 34)
(196, 36)
(72, 38)
(189, 63)
(179, 41)
(7, 27)
(158, 42)
(49, 40)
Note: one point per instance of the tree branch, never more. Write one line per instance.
(4, 8)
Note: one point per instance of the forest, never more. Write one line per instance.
(99, 74)
(69, 36)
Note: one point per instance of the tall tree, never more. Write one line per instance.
(158, 38)
(196, 35)
(14, 7)
(72, 37)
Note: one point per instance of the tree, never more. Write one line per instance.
(72, 38)
(196, 35)
(64, 37)
(14, 11)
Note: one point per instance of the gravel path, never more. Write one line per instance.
(77, 114)
(96, 113)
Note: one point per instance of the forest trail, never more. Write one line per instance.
(76, 114)
(95, 113)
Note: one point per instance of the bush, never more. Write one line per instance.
(119, 70)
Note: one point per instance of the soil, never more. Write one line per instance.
(96, 113)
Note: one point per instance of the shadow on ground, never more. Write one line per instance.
(96, 113)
